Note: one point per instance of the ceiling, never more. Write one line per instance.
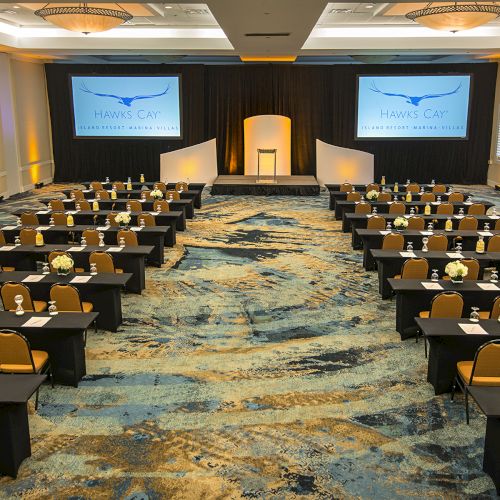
(222, 31)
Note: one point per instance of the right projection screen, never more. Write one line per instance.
(413, 106)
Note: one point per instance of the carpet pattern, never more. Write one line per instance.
(260, 362)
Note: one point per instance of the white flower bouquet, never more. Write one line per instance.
(157, 194)
(401, 223)
(123, 218)
(372, 195)
(63, 264)
(456, 270)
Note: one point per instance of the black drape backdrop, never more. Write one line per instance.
(320, 100)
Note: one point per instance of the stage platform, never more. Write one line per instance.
(287, 185)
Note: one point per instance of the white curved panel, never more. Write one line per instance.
(197, 163)
(335, 165)
(268, 132)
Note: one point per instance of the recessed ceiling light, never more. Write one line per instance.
(16, 7)
(168, 7)
(369, 6)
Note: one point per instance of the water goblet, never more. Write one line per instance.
(494, 276)
(52, 308)
(434, 275)
(374, 211)
(430, 226)
(17, 241)
(45, 268)
(461, 211)
(142, 223)
(83, 241)
(412, 211)
(122, 242)
(474, 315)
(93, 269)
(101, 239)
(107, 180)
(51, 221)
(486, 226)
(107, 222)
(409, 247)
(18, 299)
(425, 240)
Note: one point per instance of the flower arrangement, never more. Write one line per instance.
(372, 195)
(456, 270)
(63, 264)
(400, 223)
(123, 218)
(156, 194)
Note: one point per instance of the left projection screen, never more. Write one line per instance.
(126, 106)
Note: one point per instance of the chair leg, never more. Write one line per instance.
(95, 326)
(36, 399)
(453, 389)
(466, 393)
(425, 347)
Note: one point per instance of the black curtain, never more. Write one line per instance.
(320, 100)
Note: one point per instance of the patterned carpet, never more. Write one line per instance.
(259, 363)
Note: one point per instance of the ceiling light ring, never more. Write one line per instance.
(97, 11)
(450, 9)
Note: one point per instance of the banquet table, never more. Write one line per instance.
(102, 289)
(449, 343)
(120, 205)
(488, 399)
(62, 337)
(15, 391)
(402, 186)
(390, 262)
(360, 221)
(59, 235)
(412, 297)
(129, 258)
(345, 207)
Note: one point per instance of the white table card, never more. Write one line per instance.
(42, 228)
(370, 215)
(407, 254)
(472, 329)
(37, 322)
(9, 228)
(494, 216)
(115, 249)
(154, 213)
(459, 216)
(71, 212)
(33, 278)
(80, 279)
(75, 249)
(487, 286)
(426, 233)
(454, 255)
(431, 286)
(484, 233)
(41, 212)
(103, 228)
(384, 232)
(136, 228)
(6, 248)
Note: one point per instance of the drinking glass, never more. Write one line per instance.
(486, 226)
(142, 223)
(494, 276)
(101, 239)
(52, 308)
(425, 240)
(409, 247)
(430, 226)
(434, 275)
(93, 269)
(45, 268)
(461, 211)
(18, 299)
(122, 242)
(438, 199)
(78, 206)
(17, 241)
(474, 315)
(389, 226)
(83, 242)
(374, 211)
(459, 247)
(51, 221)
(107, 222)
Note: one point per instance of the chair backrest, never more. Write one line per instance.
(103, 261)
(437, 243)
(473, 268)
(362, 208)
(428, 197)
(92, 236)
(456, 197)
(27, 236)
(468, 223)
(384, 197)
(393, 241)
(445, 209)
(447, 305)
(160, 185)
(415, 269)
(15, 353)
(175, 195)
(67, 297)
(486, 364)
(57, 253)
(2, 238)
(96, 185)
(476, 209)
(181, 185)
(135, 205)
(148, 219)
(129, 236)
(497, 225)
(495, 308)
(416, 223)
(112, 220)
(372, 187)
(346, 187)
(397, 208)
(162, 205)
(60, 218)
(84, 205)
(439, 188)
(103, 194)
(77, 194)
(9, 290)
(354, 196)
(494, 244)
(413, 187)
(57, 205)
(119, 185)
(29, 219)
(376, 222)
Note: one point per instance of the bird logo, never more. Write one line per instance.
(415, 100)
(126, 101)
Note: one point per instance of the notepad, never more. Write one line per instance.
(435, 203)
(384, 232)
(454, 255)
(494, 216)
(42, 228)
(9, 228)
(6, 248)
(154, 213)
(103, 228)
(487, 286)
(426, 233)
(459, 216)
(484, 233)
(41, 212)
(407, 254)
(71, 212)
(33, 278)
(80, 279)
(431, 286)
(467, 202)
(390, 202)
(37, 322)
(75, 249)
(472, 329)
(86, 190)
(136, 228)
(169, 200)
(114, 249)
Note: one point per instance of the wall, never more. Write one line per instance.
(25, 136)
(494, 168)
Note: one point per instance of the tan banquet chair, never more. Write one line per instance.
(60, 218)
(413, 187)
(129, 236)
(494, 312)
(346, 187)
(148, 219)
(437, 243)
(383, 197)
(56, 205)
(397, 208)
(77, 194)
(445, 305)
(456, 197)
(161, 186)
(175, 195)
(494, 244)
(10, 289)
(103, 194)
(96, 186)
(181, 185)
(84, 205)
(354, 196)
(428, 197)
(439, 189)
(161, 206)
(483, 371)
(468, 223)
(372, 187)
(393, 241)
(414, 269)
(103, 262)
(112, 220)
(27, 236)
(444, 209)
(119, 186)
(476, 209)
(362, 208)
(416, 223)
(29, 219)
(57, 253)
(473, 269)
(135, 205)
(92, 236)
(376, 222)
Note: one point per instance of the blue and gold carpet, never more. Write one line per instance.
(259, 363)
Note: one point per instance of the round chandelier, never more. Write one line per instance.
(455, 17)
(83, 17)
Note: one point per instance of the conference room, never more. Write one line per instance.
(249, 249)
